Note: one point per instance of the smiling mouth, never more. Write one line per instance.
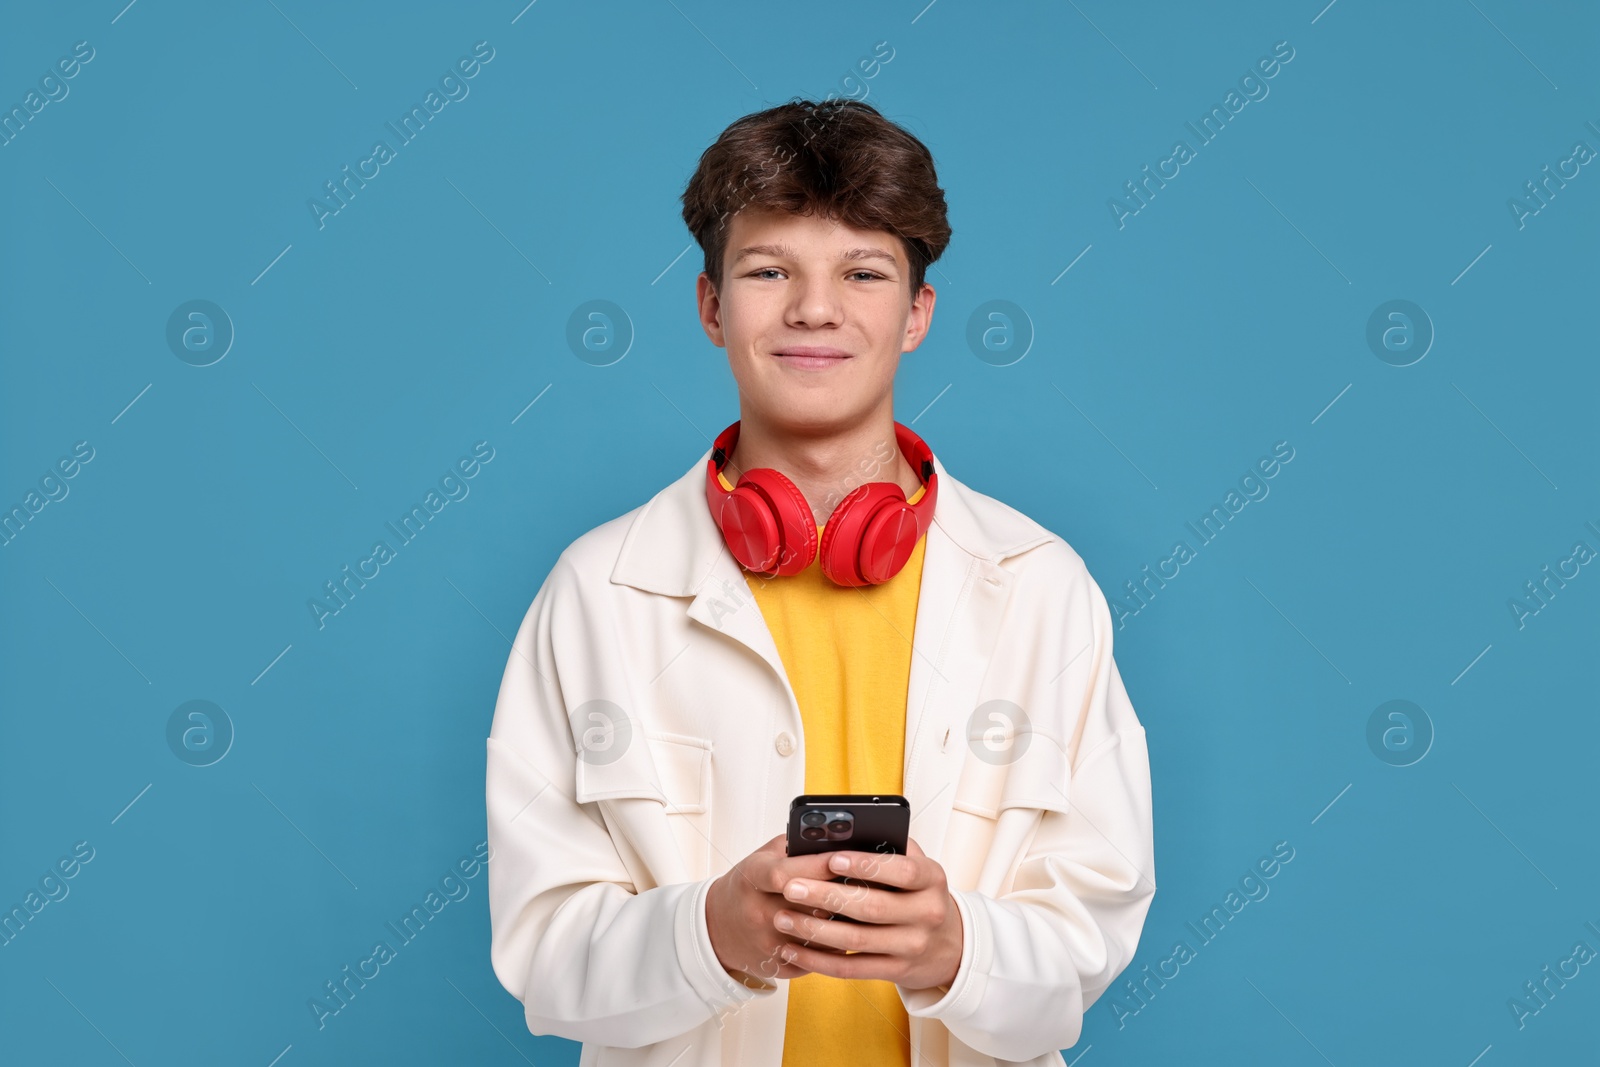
(812, 358)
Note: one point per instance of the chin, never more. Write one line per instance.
(812, 413)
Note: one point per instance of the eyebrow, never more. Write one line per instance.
(785, 252)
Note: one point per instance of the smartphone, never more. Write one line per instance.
(859, 822)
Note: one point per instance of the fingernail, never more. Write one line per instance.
(784, 922)
(795, 891)
(839, 863)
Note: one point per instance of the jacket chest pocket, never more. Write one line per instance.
(656, 789)
(683, 764)
(997, 807)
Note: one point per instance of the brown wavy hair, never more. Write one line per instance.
(840, 159)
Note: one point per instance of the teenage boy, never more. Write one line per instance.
(816, 606)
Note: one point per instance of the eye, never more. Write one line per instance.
(870, 274)
(765, 270)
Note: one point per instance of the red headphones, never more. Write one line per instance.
(769, 527)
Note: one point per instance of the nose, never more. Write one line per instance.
(815, 301)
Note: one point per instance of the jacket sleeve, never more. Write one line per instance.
(1037, 957)
(589, 956)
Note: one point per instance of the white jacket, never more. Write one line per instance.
(597, 885)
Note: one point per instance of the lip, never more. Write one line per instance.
(812, 357)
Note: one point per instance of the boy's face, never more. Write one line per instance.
(795, 282)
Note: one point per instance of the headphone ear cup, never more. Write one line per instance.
(790, 515)
(888, 541)
(749, 528)
(845, 543)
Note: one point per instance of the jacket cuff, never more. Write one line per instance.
(965, 991)
(711, 981)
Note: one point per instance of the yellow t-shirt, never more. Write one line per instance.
(847, 652)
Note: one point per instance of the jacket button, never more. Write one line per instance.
(784, 743)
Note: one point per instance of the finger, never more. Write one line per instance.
(832, 935)
(858, 965)
(791, 867)
(772, 966)
(904, 872)
(882, 907)
(775, 867)
(759, 871)
(816, 913)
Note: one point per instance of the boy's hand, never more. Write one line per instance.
(916, 937)
(741, 904)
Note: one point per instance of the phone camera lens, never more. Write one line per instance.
(813, 818)
(839, 826)
(813, 833)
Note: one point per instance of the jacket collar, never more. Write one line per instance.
(673, 545)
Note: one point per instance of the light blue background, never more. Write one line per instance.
(1224, 317)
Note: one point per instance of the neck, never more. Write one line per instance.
(824, 467)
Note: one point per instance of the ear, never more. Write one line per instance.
(919, 319)
(710, 309)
